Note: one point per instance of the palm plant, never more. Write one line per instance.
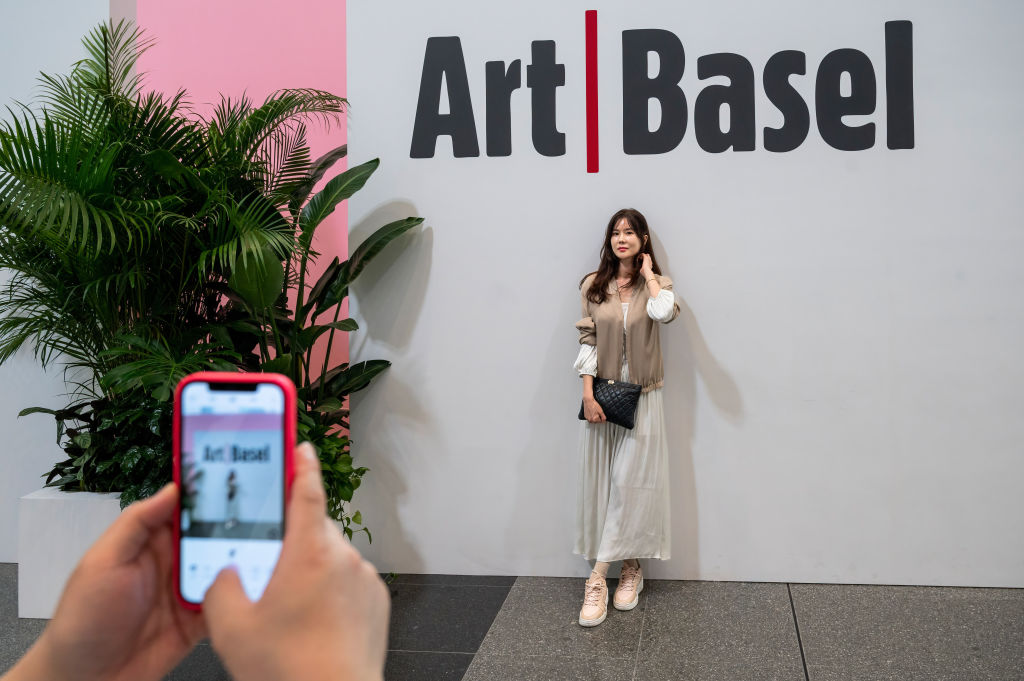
(145, 241)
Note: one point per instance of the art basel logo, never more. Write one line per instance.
(844, 85)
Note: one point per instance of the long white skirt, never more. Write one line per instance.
(623, 506)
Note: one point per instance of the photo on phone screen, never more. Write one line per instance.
(232, 484)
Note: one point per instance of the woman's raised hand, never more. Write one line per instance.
(646, 267)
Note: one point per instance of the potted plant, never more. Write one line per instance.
(146, 241)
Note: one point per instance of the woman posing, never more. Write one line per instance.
(623, 506)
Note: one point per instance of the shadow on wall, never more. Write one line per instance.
(687, 355)
(391, 290)
(552, 428)
(389, 296)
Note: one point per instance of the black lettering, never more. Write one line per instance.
(796, 120)
(443, 63)
(830, 105)
(638, 90)
(213, 454)
(500, 85)
(899, 84)
(543, 76)
(247, 455)
(738, 95)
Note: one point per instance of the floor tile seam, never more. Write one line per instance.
(494, 619)
(461, 652)
(560, 656)
(454, 586)
(920, 588)
(796, 629)
(431, 652)
(550, 587)
(640, 640)
(923, 587)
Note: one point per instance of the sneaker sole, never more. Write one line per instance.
(636, 598)
(594, 623)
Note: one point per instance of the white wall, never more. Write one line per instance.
(844, 386)
(34, 37)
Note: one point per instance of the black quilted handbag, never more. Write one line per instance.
(618, 400)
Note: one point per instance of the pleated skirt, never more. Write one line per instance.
(623, 498)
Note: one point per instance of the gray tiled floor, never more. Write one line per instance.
(907, 633)
(732, 631)
(706, 631)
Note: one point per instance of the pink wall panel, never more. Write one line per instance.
(253, 47)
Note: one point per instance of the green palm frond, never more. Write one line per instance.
(280, 107)
(114, 51)
(286, 162)
(52, 180)
(245, 230)
(153, 366)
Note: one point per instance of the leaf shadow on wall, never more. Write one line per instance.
(389, 296)
(392, 288)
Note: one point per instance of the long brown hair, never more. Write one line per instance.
(609, 266)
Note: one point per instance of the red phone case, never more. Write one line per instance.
(290, 415)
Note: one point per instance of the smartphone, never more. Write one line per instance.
(234, 437)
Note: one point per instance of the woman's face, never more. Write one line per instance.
(625, 242)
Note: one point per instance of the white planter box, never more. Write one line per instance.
(54, 531)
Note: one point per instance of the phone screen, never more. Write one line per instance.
(232, 484)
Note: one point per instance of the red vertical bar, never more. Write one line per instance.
(591, 59)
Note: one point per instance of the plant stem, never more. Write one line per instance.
(327, 356)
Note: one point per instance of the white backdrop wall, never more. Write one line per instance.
(34, 37)
(844, 386)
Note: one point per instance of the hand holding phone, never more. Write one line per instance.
(118, 617)
(234, 436)
(325, 612)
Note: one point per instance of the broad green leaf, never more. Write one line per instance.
(316, 173)
(331, 373)
(330, 404)
(308, 336)
(357, 518)
(335, 292)
(337, 418)
(258, 280)
(356, 377)
(329, 274)
(376, 242)
(278, 365)
(334, 192)
(37, 410)
(167, 164)
(337, 288)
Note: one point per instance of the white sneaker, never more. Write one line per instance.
(631, 583)
(595, 603)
